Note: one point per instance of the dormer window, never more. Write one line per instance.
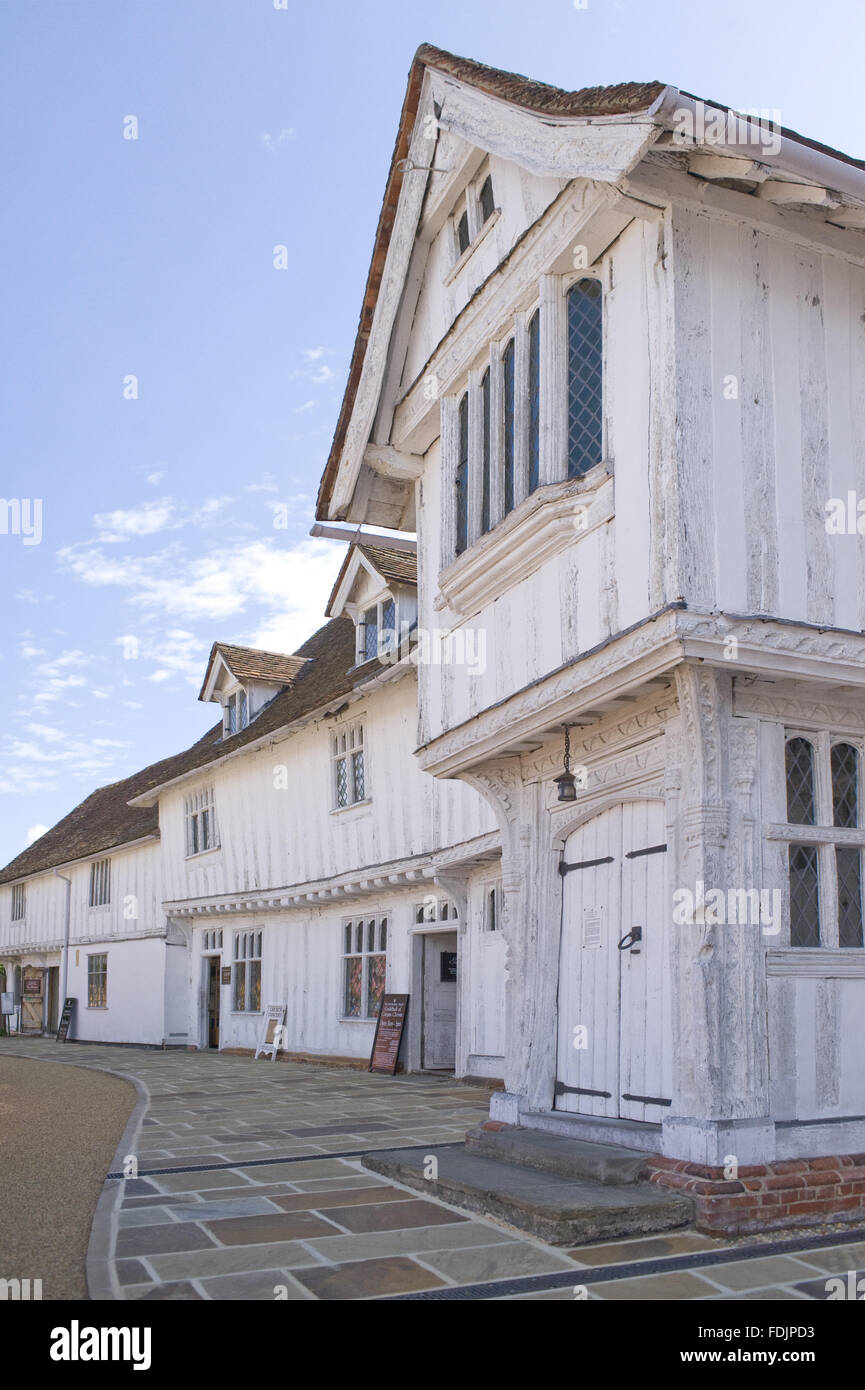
(377, 630)
(377, 589)
(243, 681)
(463, 237)
(236, 712)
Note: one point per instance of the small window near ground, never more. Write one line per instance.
(434, 909)
(493, 907)
(97, 982)
(246, 972)
(364, 966)
(213, 941)
(100, 882)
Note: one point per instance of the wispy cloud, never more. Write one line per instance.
(272, 143)
(225, 584)
(124, 524)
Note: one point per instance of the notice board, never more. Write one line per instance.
(65, 1020)
(388, 1033)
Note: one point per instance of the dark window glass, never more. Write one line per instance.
(845, 785)
(485, 495)
(370, 634)
(585, 376)
(508, 371)
(462, 479)
(463, 232)
(388, 625)
(849, 866)
(804, 906)
(534, 401)
(486, 199)
(800, 782)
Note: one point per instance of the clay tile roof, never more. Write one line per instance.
(251, 664)
(105, 820)
(101, 822)
(621, 99)
(396, 566)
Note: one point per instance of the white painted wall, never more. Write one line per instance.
(276, 836)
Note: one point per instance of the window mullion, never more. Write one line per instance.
(521, 408)
(476, 444)
(497, 435)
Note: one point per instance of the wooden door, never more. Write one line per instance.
(614, 1005)
(440, 1001)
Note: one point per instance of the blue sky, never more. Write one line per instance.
(153, 258)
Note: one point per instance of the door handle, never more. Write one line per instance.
(630, 939)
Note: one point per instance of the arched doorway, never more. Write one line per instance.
(614, 1032)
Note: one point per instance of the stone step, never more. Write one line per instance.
(555, 1209)
(610, 1164)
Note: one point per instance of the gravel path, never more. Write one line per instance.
(59, 1128)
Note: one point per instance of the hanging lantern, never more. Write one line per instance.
(566, 781)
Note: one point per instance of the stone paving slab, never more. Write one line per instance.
(223, 1233)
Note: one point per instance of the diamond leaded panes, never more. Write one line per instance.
(845, 785)
(849, 868)
(800, 782)
(804, 896)
(342, 781)
(585, 377)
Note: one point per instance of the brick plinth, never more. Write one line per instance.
(791, 1192)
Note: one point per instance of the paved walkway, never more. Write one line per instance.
(250, 1186)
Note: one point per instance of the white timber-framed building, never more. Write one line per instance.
(608, 372)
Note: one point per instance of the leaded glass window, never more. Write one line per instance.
(534, 400)
(485, 455)
(486, 200)
(349, 769)
(364, 966)
(845, 785)
(585, 377)
(508, 402)
(97, 982)
(462, 477)
(388, 625)
(201, 829)
(246, 972)
(804, 896)
(800, 782)
(463, 237)
(370, 634)
(848, 864)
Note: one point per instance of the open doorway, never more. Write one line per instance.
(212, 986)
(439, 1031)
